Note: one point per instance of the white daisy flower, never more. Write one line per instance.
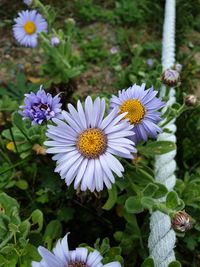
(27, 26)
(85, 142)
(63, 257)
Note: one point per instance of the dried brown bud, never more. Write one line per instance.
(39, 150)
(190, 100)
(182, 222)
(171, 77)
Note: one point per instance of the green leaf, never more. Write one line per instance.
(53, 231)
(161, 191)
(142, 176)
(112, 198)
(174, 202)
(66, 214)
(22, 184)
(175, 264)
(133, 205)
(148, 203)
(24, 228)
(17, 120)
(37, 218)
(156, 148)
(150, 189)
(9, 204)
(149, 262)
(13, 228)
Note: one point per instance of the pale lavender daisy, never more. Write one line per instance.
(63, 257)
(142, 106)
(40, 107)
(85, 142)
(55, 41)
(27, 26)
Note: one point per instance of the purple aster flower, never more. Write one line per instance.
(55, 41)
(171, 77)
(63, 257)
(27, 2)
(41, 107)
(85, 142)
(141, 106)
(27, 26)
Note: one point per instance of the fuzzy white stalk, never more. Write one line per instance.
(162, 237)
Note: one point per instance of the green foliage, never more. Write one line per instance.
(17, 89)
(62, 62)
(14, 246)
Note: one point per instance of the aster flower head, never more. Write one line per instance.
(55, 41)
(28, 2)
(142, 106)
(85, 142)
(27, 26)
(63, 257)
(171, 77)
(40, 107)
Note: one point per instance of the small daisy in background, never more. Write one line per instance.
(142, 106)
(28, 25)
(28, 2)
(63, 257)
(85, 142)
(55, 41)
(40, 107)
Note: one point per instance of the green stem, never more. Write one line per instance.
(11, 132)
(62, 59)
(179, 112)
(5, 156)
(13, 166)
(42, 7)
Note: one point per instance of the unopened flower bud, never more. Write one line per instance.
(28, 2)
(171, 77)
(182, 222)
(70, 21)
(190, 100)
(55, 41)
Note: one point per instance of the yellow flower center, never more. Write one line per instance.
(92, 143)
(135, 110)
(29, 27)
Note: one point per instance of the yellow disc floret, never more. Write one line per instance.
(135, 110)
(29, 27)
(92, 143)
